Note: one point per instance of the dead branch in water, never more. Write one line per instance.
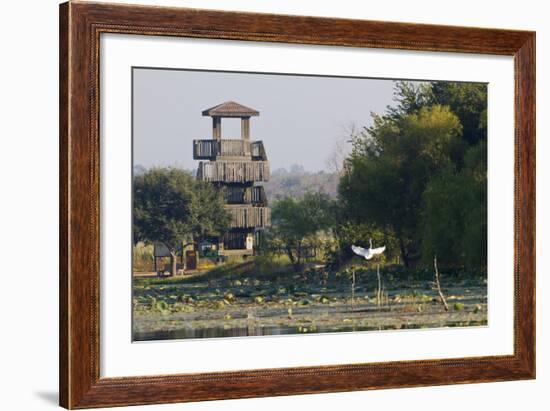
(438, 285)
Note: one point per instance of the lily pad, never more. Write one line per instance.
(259, 299)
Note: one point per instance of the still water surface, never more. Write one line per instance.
(248, 331)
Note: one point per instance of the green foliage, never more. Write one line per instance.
(409, 98)
(389, 171)
(455, 216)
(171, 206)
(443, 221)
(142, 257)
(469, 102)
(347, 233)
(297, 222)
(299, 218)
(474, 242)
(418, 175)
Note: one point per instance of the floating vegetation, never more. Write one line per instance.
(227, 306)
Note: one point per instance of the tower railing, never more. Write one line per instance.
(233, 171)
(210, 149)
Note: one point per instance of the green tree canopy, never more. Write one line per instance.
(454, 225)
(390, 167)
(171, 206)
(469, 102)
(419, 173)
(297, 220)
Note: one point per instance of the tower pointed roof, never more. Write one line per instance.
(230, 109)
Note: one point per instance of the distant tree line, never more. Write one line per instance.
(295, 181)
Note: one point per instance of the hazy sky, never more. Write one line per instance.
(301, 117)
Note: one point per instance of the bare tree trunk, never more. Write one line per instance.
(299, 254)
(173, 263)
(298, 263)
(438, 285)
(288, 250)
(379, 293)
(404, 253)
(353, 290)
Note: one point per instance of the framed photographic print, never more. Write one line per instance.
(256, 205)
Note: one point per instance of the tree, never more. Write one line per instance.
(474, 243)
(171, 206)
(390, 167)
(419, 172)
(297, 220)
(468, 101)
(443, 218)
(455, 216)
(409, 98)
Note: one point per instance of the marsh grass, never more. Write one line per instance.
(143, 257)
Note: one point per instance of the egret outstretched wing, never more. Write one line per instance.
(378, 250)
(359, 250)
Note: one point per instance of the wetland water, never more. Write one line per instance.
(249, 331)
(285, 317)
(203, 307)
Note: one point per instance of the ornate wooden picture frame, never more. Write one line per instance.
(80, 27)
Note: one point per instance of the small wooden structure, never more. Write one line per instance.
(190, 260)
(236, 165)
(186, 250)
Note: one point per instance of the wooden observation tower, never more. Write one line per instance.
(237, 166)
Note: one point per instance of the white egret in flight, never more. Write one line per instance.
(368, 253)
